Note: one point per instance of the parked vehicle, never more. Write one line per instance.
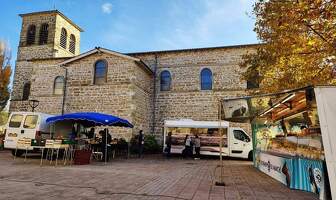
(236, 142)
(25, 125)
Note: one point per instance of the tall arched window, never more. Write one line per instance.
(165, 81)
(26, 91)
(206, 79)
(72, 44)
(59, 85)
(44, 34)
(100, 72)
(63, 39)
(31, 34)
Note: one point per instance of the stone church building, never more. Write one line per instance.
(145, 88)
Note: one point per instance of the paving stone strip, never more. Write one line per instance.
(140, 179)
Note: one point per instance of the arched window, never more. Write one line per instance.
(100, 72)
(59, 85)
(31, 34)
(44, 34)
(63, 39)
(26, 91)
(72, 44)
(165, 81)
(206, 79)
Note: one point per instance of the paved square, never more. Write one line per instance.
(148, 178)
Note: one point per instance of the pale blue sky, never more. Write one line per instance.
(142, 25)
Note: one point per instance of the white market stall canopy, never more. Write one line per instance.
(189, 123)
(326, 106)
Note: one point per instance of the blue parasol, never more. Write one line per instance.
(90, 119)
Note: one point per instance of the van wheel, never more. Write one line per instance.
(250, 156)
(18, 153)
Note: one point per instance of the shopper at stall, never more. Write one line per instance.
(73, 134)
(90, 134)
(187, 147)
(168, 144)
(197, 142)
(141, 143)
(105, 144)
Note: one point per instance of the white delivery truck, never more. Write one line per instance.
(236, 142)
(31, 125)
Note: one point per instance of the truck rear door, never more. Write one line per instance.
(30, 126)
(238, 143)
(13, 132)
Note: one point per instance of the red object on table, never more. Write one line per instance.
(82, 157)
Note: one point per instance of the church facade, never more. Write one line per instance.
(145, 88)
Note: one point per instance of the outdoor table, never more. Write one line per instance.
(43, 144)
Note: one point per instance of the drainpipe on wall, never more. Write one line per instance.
(64, 87)
(154, 93)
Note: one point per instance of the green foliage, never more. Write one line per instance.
(150, 145)
(134, 144)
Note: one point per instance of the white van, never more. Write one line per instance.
(236, 142)
(25, 125)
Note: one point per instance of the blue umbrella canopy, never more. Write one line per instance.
(90, 119)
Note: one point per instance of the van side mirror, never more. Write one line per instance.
(247, 140)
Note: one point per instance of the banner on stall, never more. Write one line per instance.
(295, 173)
(308, 175)
(279, 168)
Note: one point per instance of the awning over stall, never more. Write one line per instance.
(90, 119)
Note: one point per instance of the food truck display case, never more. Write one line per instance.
(290, 141)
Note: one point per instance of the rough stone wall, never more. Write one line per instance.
(143, 100)
(52, 48)
(127, 92)
(62, 23)
(115, 97)
(186, 99)
(42, 88)
(19, 105)
(41, 74)
(27, 55)
(22, 74)
(35, 50)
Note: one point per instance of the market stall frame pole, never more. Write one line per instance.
(221, 181)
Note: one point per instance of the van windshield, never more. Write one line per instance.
(15, 121)
(30, 121)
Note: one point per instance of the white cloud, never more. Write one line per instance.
(107, 8)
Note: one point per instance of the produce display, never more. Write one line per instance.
(287, 147)
(292, 136)
(209, 137)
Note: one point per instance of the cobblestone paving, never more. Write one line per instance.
(151, 178)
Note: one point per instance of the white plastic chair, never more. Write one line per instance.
(49, 145)
(23, 143)
(66, 154)
(57, 145)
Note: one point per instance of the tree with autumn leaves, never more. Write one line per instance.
(5, 73)
(298, 44)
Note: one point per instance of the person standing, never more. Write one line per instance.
(141, 142)
(197, 142)
(90, 134)
(106, 140)
(168, 144)
(188, 147)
